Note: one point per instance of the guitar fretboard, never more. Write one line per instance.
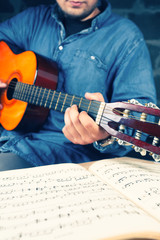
(54, 100)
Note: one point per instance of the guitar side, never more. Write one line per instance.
(47, 77)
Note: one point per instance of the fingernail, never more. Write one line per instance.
(2, 84)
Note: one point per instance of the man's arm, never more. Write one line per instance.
(2, 86)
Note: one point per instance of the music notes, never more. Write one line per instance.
(139, 181)
(56, 201)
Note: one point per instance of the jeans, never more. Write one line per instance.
(10, 161)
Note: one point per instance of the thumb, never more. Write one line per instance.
(94, 96)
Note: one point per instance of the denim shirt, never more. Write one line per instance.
(110, 57)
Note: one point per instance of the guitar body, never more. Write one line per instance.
(26, 67)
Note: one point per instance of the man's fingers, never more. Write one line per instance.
(3, 85)
(79, 127)
(69, 130)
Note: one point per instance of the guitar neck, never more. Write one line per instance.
(52, 99)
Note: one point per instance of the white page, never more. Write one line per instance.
(58, 201)
(139, 180)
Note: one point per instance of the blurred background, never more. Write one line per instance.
(145, 13)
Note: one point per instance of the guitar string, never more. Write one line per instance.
(86, 100)
(104, 119)
(68, 100)
(94, 114)
(94, 106)
(93, 109)
(68, 96)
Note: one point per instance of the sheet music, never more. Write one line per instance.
(140, 181)
(53, 202)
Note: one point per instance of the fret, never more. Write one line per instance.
(50, 106)
(64, 102)
(39, 94)
(88, 106)
(22, 88)
(47, 97)
(16, 92)
(72, 101)
(28, 93)
(80, 102)
(35, 94)
(41, 103)
(57, 100)
(96, 108)
(84, 104)
(21, 91)
(100, 112)
(31, 94)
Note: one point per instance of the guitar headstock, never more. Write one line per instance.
(131, 123)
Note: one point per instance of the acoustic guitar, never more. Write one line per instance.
(31, 92)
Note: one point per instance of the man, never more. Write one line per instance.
(100, 56)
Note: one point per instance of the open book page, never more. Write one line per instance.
(137, 179)
(67, 202)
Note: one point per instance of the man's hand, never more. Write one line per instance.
(80, 128)
(2, 86)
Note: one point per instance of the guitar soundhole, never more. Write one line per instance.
(11, 88)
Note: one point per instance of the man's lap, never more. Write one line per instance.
(10, 161)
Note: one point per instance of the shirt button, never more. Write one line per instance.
(93, 57)
(61, 48)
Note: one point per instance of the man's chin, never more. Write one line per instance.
(75, 15)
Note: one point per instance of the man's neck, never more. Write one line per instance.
(73, 26)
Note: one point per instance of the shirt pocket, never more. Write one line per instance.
(84, 72)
